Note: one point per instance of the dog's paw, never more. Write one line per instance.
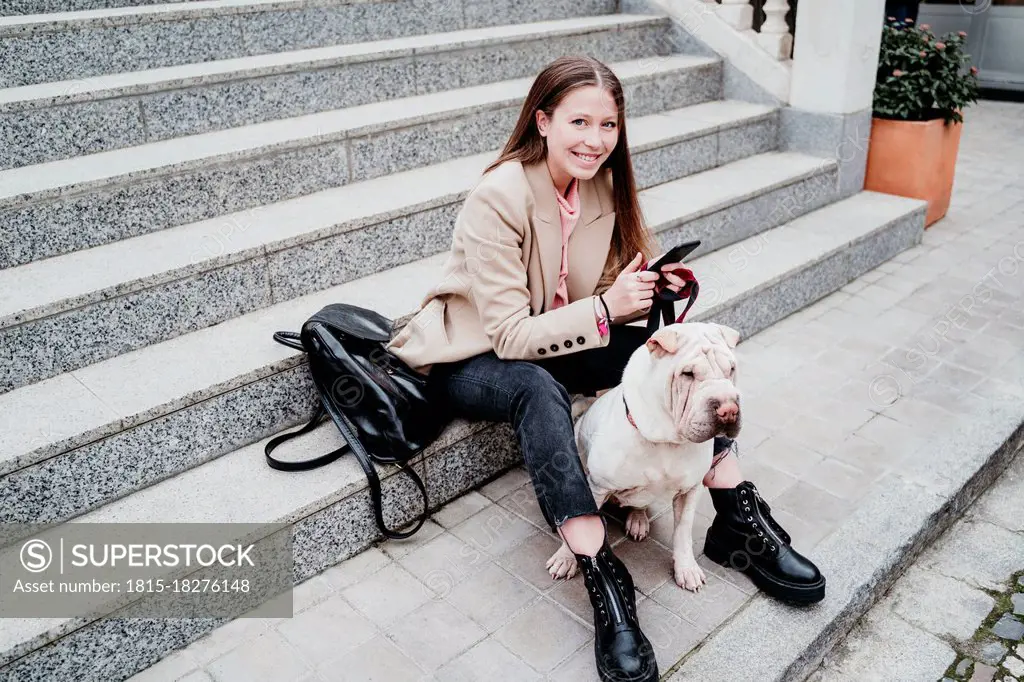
(562, 564)
(689, 575)
(638, 526)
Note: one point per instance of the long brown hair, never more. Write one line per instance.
(527, 146)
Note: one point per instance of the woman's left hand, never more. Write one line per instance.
(676, 283)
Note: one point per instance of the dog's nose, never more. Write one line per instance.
(728, 412)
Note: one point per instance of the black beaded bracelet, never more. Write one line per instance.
(606, 313)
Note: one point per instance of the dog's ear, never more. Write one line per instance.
(663, 341)
(731, 336)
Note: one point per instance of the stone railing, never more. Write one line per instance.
(772, 32)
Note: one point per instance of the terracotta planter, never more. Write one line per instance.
(914, 159)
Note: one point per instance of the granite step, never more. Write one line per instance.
(787, 268)
(125, 400)
(72, 204)
(139, 291)
(133, 427)
(72, 45)
(20, 7)
(131, 418)
(63, 119)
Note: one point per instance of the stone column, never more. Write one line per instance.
(834, 63)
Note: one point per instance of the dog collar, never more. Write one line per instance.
(628, 415)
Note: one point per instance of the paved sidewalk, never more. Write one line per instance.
(930, 621)
(836, 397)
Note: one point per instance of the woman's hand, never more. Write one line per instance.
(632, 291)
(676, 283)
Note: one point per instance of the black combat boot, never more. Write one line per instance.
(744, 536)
(622, 651)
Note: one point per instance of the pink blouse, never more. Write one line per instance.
(569, 210)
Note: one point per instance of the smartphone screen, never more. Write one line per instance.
(674, 255)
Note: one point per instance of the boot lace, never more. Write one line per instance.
(596, 598)
(758, 514)
(621, 579)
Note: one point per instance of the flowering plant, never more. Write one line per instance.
(921, 77)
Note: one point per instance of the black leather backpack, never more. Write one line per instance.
(383, 409)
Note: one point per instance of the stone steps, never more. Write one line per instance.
(752, 284)
(134, 423)
(72, 45)
(78, 203)
(21, 7)
(135, 292)
(63, 119)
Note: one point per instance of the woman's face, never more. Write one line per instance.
(581, 133)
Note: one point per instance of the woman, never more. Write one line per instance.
(544, 272)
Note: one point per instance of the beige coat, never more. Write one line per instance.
(498, 284)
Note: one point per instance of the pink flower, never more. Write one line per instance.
(897, 73)
(925, 27)
(974, 70)
(940, 46)
(909, 20)
(924, 53)
(892, 18)
(962, 34)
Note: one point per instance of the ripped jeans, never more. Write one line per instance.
(534, 397)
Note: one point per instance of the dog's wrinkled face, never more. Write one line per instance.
(699, 367)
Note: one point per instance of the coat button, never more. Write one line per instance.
(581, 340)
(541, 351)
(568, 343)
(554, 347)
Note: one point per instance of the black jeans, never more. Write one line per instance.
(534, 397)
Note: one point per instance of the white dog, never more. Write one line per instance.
(680, 393)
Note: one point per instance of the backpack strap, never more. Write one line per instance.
(349, 431)
(306, 464)
(351, 443)
(290, 339)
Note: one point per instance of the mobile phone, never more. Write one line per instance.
(673, 255)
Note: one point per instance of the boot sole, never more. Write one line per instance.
(788, 592)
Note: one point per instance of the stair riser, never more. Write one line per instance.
(768, 305)
(112, 46)
(39, 134)
(693, 156)
(338, 531)
(131, 459)
(134, 205)
(738, 222)
(98, 330)
(20, 7)
(196, 431)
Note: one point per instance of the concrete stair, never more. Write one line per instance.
(21, 7)
(146, 276)
(73, 45)
(264, 253)
(238, 367)
(78, 203)
(63, 119)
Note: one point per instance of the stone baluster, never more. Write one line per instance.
(775, 36)
(737, 13)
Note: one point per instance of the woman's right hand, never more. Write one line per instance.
(632, 291)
